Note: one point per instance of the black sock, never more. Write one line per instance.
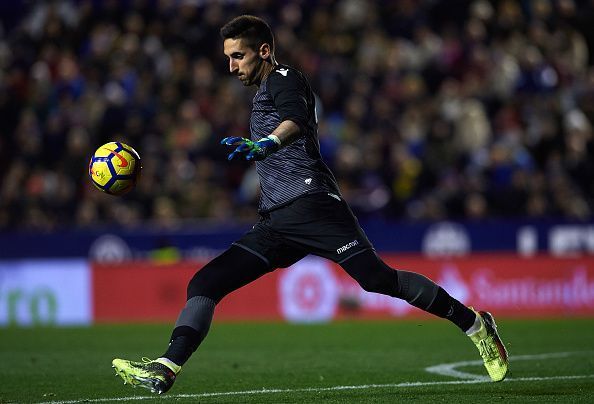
(190, 329)
(445, 306)
(184, 342)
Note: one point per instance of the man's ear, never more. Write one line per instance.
(264, 51)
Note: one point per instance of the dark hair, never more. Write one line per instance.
(253, 30)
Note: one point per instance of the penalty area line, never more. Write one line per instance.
(316, 389)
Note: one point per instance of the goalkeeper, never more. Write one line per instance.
(301, 212)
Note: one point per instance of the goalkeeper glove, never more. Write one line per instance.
(251, 150)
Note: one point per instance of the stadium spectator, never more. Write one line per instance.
(428, 110)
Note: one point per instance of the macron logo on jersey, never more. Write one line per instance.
(347, 246)
(283, 71)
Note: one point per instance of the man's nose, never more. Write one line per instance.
(232, 66)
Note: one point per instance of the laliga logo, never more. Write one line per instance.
(308, 292)
(446, 239)
(99, 174)
(109, 248)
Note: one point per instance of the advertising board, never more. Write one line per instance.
(45, 292)
(316, 290)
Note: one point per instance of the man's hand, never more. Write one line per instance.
(249, 149)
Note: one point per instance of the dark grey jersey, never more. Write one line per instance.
(296, 169)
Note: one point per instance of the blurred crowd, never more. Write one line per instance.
(428, 109)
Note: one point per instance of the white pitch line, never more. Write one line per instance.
(449, 369)
(315, 389)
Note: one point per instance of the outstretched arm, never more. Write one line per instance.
(288, 92)
(284, 134)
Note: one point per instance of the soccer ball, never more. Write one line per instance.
(115, 168)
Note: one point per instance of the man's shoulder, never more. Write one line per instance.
(285, 70)
(283, 75)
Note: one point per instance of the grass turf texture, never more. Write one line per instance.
(61, 364)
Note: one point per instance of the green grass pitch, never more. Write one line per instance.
(343, 362)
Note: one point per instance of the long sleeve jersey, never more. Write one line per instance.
(296, 169)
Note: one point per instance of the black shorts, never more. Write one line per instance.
(321, 224)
